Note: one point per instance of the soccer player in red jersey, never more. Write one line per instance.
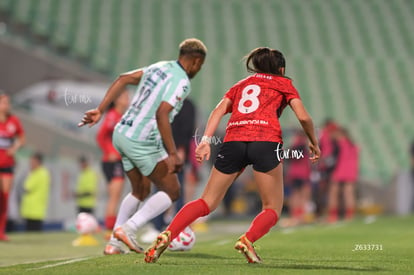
(253, 136)
(11, 139)
(111, 159)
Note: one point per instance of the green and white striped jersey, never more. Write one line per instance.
(163, 81)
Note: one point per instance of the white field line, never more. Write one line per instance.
(223, 242)
(62, 263)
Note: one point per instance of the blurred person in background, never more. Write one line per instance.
(404, 184)
(412, 161)
(192, 176)
(11, 139)
(298, 179)
(86, 188)
(412, 177)
(35, 198)
(327, 164)
(346, 172)
(183, 128)
(111, 159)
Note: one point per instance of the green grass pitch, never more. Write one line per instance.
(317, 249)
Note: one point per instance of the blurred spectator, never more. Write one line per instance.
(36, 194)
(111, 159)
(86, 188)
(412, 177)
(191, 178)
(183, 128)
(298, 179)
(404, 201)
(11, 139)
(329, 151)
(346, 173)
(412, 159)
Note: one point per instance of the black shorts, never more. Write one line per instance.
(236, 155)
(113, 170)
(7, 170)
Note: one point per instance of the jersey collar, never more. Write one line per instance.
(179, 64)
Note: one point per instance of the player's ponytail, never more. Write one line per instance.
(265, 60)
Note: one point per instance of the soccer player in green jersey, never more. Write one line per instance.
(144, 138)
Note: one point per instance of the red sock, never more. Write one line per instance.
(187, 215)
(333, 215)
(261, 224)
(349, 213)
(333, 212)
(110, 222)
(298, 212)
(4, 199)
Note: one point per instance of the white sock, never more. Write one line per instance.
(128, 207)
(155, 205)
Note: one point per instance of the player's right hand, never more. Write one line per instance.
(202, 152)
(174, 163)
(91, 117)
(315, 153)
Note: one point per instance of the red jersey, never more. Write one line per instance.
(325, 140)
(9, 130)
(299, 168)
(104, 136)
(346, 169)
(258, 102)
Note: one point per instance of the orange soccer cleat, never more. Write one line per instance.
(128, 237)
(243, 245)
(154, 252)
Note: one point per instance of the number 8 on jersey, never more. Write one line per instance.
(249, 101)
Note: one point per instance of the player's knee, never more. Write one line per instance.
(140, 194)
(145, 193)
(136, 194)
(174, 193)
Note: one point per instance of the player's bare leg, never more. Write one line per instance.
(141, 186)
(213, 194)
(333, 202)
(349, 198)
(168, 186)
(216, 187)
(307, 204)
(270, 187)
(295, 204)
(6, 182)
(115, 188)
(165, 181)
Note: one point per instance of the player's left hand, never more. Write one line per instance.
(202, 152)
(91, 117)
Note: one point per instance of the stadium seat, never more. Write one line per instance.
(82, 39)
(22, 11)
(6, 5)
